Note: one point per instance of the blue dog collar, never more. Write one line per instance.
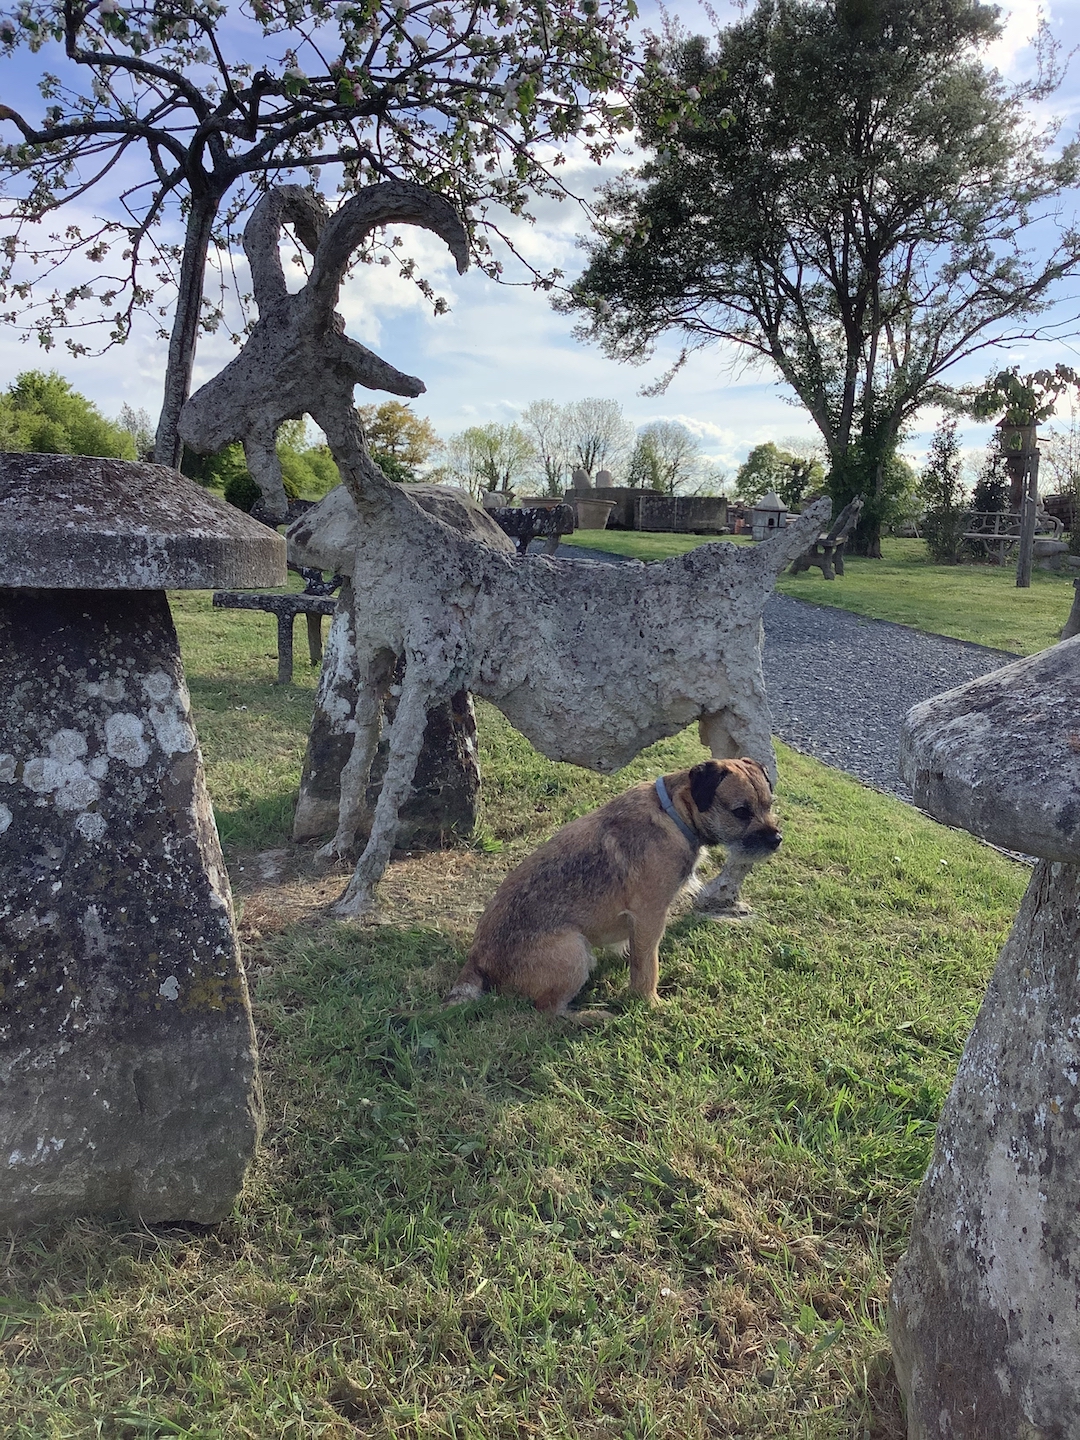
(669, 809)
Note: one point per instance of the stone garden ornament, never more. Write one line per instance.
(591, 662)
(128, 1075)
(985, 1307)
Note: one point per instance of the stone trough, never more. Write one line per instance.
(985, 1306)
(128, 1077)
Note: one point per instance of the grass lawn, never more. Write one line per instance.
(478, 1223)
(970, 602)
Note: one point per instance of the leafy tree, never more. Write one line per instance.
(1060, 450)
(140, 427)
(767, 467)
(991, 492)
(488, 457)
(44, 413)
(307, 469)
(196, 107)
(545, 422)
(847, 193)
(666, 457)
(598, 433)
(400, 440)
(764, 469)
(942, 490)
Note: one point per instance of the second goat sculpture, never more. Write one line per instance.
(591, 662)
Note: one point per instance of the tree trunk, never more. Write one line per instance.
(168, 447)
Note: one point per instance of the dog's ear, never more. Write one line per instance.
(755, 765)
(704, 779)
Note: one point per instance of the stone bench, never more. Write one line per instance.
(533, 521)
(827, 551)
(286, 608)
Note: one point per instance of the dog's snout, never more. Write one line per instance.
(765, 840)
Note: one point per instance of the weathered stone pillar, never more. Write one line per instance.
(985, 1306)
(127, 1056)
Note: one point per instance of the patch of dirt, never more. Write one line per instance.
(439, 889)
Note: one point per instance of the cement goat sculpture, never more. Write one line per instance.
(591, 662)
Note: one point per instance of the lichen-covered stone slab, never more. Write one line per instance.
(128, 1074)
(71, 522)
(1000, 756)
(985, 1306)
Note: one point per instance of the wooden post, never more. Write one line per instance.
(1027, 520)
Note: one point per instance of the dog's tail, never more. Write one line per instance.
(469, 985)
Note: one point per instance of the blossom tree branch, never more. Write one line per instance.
(219, 101)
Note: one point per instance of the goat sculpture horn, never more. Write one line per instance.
(395, 202)
(297, 360)
(305, 211)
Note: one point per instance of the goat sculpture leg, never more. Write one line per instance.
(420, 692)
(743, 729)
(354, 776)
(744, 726)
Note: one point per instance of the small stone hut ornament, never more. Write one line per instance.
(127, 1056)
(768, 515)
(984, 1312)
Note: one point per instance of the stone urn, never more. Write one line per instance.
(592, 514)
(497, 499)
(128, 1077)
(1016, 439)
(984, 1311)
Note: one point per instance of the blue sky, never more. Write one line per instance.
(501, 347)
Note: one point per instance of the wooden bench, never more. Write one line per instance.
(998, 531)
(827, 551)
(286, 608)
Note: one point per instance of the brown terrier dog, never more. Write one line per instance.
(609, 878)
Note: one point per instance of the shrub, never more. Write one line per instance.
(943, 494)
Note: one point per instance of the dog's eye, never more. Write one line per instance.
(743, 812)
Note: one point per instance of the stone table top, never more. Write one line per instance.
(70, 522)
(1000, 756)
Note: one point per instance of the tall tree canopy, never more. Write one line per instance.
(768, 467)
(847, 192)
(44, 413)
(400, 440)
(667, 457)
(488, 457)
(190, 105)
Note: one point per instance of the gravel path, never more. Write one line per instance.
(839, 684)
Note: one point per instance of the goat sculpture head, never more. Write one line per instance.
(298, 360)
